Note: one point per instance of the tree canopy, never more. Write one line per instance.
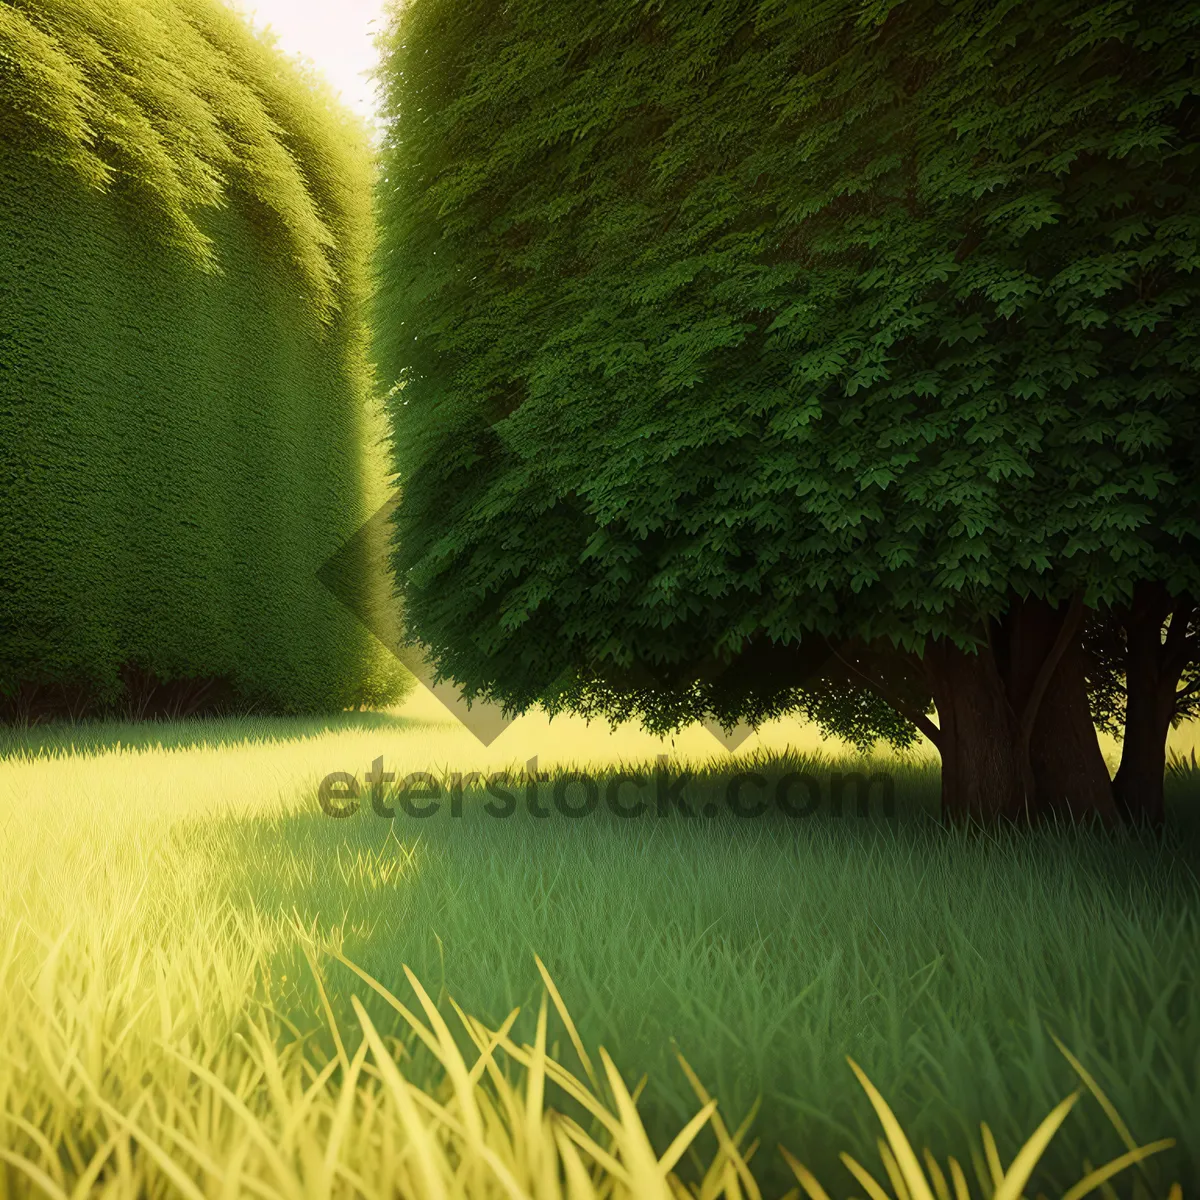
(722, 332)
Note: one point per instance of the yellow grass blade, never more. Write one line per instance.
(342, 1115)
(175, 1137)
(430, 1161)
(91, 1172)
(992, 1156)
(1105, 1188)
(935, 1174)
(961, 1191)
(807, 1181)
(636, 1151)
(535, 1091)
(48, 974)
(727, 1145)
(354, 1179)
(410, 1017)
(579, 1182)
(568, 1082)
(685, 1137)
(487, 1046)
(889, 1165)
(1013, 1184)
(156, 1152)
(1094, 1088)
(572, 1032)
(439, 1114)
(546, 1182)
(905, 1158)
(272, 1072)
(34, 1172)
(606, 1160)
(296, 1115)
(1106, 1104)
(1101, 1174)
(43, 1144)
(747, 1121)
(451, 1059)
(10, 952)
(337, 1036)
(730, 1182)
(864, 1177)
(504, 1091)
(284, 1175)
(234, 1183)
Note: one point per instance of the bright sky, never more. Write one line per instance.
(335, 34)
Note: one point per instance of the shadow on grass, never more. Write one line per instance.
(769, 949)
(97, 736)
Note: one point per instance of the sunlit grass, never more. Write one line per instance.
(169, 905)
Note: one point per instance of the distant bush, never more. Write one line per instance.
(185, 224)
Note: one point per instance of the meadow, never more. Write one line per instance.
(205, 977)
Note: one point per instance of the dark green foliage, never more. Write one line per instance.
(725, 326)
(1106, 645)
(184, 227)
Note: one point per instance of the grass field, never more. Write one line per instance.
(176, 907)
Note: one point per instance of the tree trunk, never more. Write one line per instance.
(1015, 731)
(1039, 651)
(1138, 784)
(1070, 774)
(982, 775)
(1152, 672)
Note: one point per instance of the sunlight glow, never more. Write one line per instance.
(336, 35)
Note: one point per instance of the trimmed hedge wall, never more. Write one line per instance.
(184, 230)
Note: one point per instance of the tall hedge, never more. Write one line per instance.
(185, 227)
(737, 325)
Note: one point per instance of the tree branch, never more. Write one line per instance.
(1178, 647)
(920, 720)
(1194, 686)
(1067, 630)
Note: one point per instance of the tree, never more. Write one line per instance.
(1145, 679)
(730, 334)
